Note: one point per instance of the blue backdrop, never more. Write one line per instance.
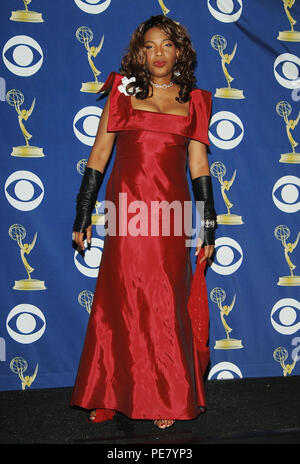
(248, 57)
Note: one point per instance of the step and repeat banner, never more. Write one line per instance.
(54, 56)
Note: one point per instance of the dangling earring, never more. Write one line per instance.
(176, 73)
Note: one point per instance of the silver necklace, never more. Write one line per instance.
(162, 86)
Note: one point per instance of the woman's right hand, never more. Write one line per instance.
(78, 237)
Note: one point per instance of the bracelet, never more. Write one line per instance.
(208, 223)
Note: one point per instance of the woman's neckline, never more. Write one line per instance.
(159, 112)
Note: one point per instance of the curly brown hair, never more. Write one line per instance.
(134, 61)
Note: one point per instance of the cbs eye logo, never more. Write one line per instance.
(285, 316)
(228, 256)
(93, 6)
(24, 190)
(286, 70)
(226, 11)
(22, 55)
(225, 370)
(229, 130)
(89, 265)
(287, 187)
(90, 116)
(25, 323)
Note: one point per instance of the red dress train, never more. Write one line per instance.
(145, 351)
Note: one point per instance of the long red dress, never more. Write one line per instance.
(145, 351)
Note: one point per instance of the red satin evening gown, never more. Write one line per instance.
(145, 351)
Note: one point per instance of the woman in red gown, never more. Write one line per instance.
(145, 351)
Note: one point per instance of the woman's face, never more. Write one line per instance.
(160, 53)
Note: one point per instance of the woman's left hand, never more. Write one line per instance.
(208, 251)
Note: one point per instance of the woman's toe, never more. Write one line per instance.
(163, 423)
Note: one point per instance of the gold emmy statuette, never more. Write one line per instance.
(18, 366)
(26, 15)
(280, 355)
(291, 35)
(85, 35)
(15, 98)
(218, 42)
(163, 7)
(17, 232)
(282, 233)
(284, 109)
(218, 295)
(97, 218)
(219, 170)
(85, 299)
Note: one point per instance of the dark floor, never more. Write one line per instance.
(247, 411)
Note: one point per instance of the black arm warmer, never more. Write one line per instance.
(86, 198)
(202, 188)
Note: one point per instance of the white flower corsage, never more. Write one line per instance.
(125, 81)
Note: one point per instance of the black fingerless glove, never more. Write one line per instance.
(202, 188)
(86, 198)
